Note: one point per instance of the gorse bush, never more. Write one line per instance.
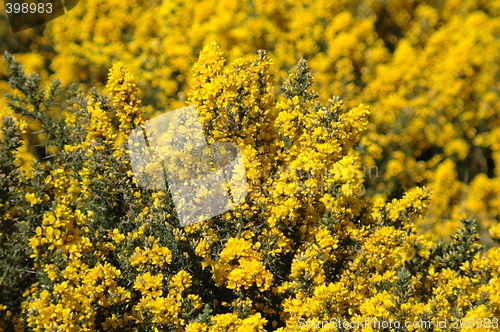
(428, 69)
(84, 248)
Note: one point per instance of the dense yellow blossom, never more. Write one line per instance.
(356, 177)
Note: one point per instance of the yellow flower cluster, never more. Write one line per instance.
(122, 87)
(156, 256)
(248, 269)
